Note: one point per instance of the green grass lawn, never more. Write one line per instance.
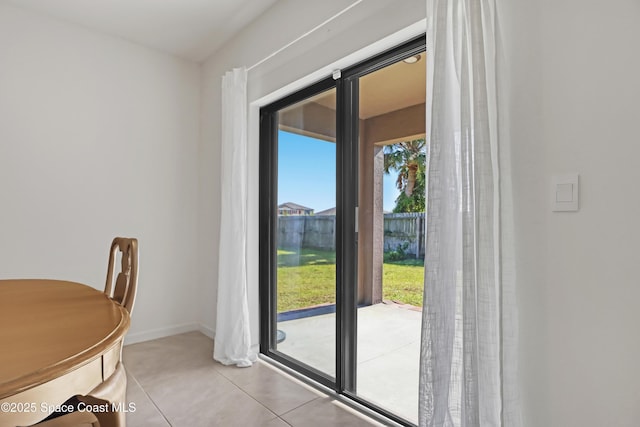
(307, 278)
(403, 281)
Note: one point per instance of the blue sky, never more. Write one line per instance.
(307, 173)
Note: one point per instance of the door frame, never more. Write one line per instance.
(268, 263)
(347, 136)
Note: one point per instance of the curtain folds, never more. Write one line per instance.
(233, 336)
(468, 353)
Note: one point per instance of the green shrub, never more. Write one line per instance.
(398, 254)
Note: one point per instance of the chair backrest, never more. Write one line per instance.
(123, 289)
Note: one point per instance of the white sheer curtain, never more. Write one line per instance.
(468, 353)
(233, 336)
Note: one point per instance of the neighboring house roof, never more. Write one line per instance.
(293, 206)
(330, 211)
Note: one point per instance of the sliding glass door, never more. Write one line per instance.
(340, 294)
(391, 198)
(305, 283)
(299, 203)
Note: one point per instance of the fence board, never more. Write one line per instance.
(318, 232)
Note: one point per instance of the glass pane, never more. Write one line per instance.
(391, 235)
(306, 274)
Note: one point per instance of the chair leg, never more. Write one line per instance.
(111, 419)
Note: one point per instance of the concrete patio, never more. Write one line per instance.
(388, 352)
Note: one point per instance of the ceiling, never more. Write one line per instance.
(391, 88)
(191, 29)
(389, 106)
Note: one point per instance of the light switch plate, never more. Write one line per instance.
(564, 192)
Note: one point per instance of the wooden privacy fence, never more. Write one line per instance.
(404, 230)
(307, 232)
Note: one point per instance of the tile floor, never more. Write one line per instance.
(175, 382)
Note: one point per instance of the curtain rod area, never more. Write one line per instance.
(311, 31)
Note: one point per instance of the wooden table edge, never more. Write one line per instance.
(72, 363)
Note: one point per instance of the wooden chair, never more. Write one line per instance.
(112, 391)
(123, 291)
(75, 419)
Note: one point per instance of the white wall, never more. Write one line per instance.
(98, 138)
(310, 59)
(575, 95)
(88, 121)
(572, 77)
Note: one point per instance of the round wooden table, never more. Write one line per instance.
(57, 339)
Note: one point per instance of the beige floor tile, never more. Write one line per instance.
(326, 412)
(203, 397)
(175, 382)
(277, 391)
(276, 422)
(169, 356)
(146, 414)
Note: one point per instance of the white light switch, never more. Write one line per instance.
(565, 193)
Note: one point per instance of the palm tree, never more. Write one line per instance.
(408, 158)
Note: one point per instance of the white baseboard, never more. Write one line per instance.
(162, 332)
(206, 330)
(175, 330)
